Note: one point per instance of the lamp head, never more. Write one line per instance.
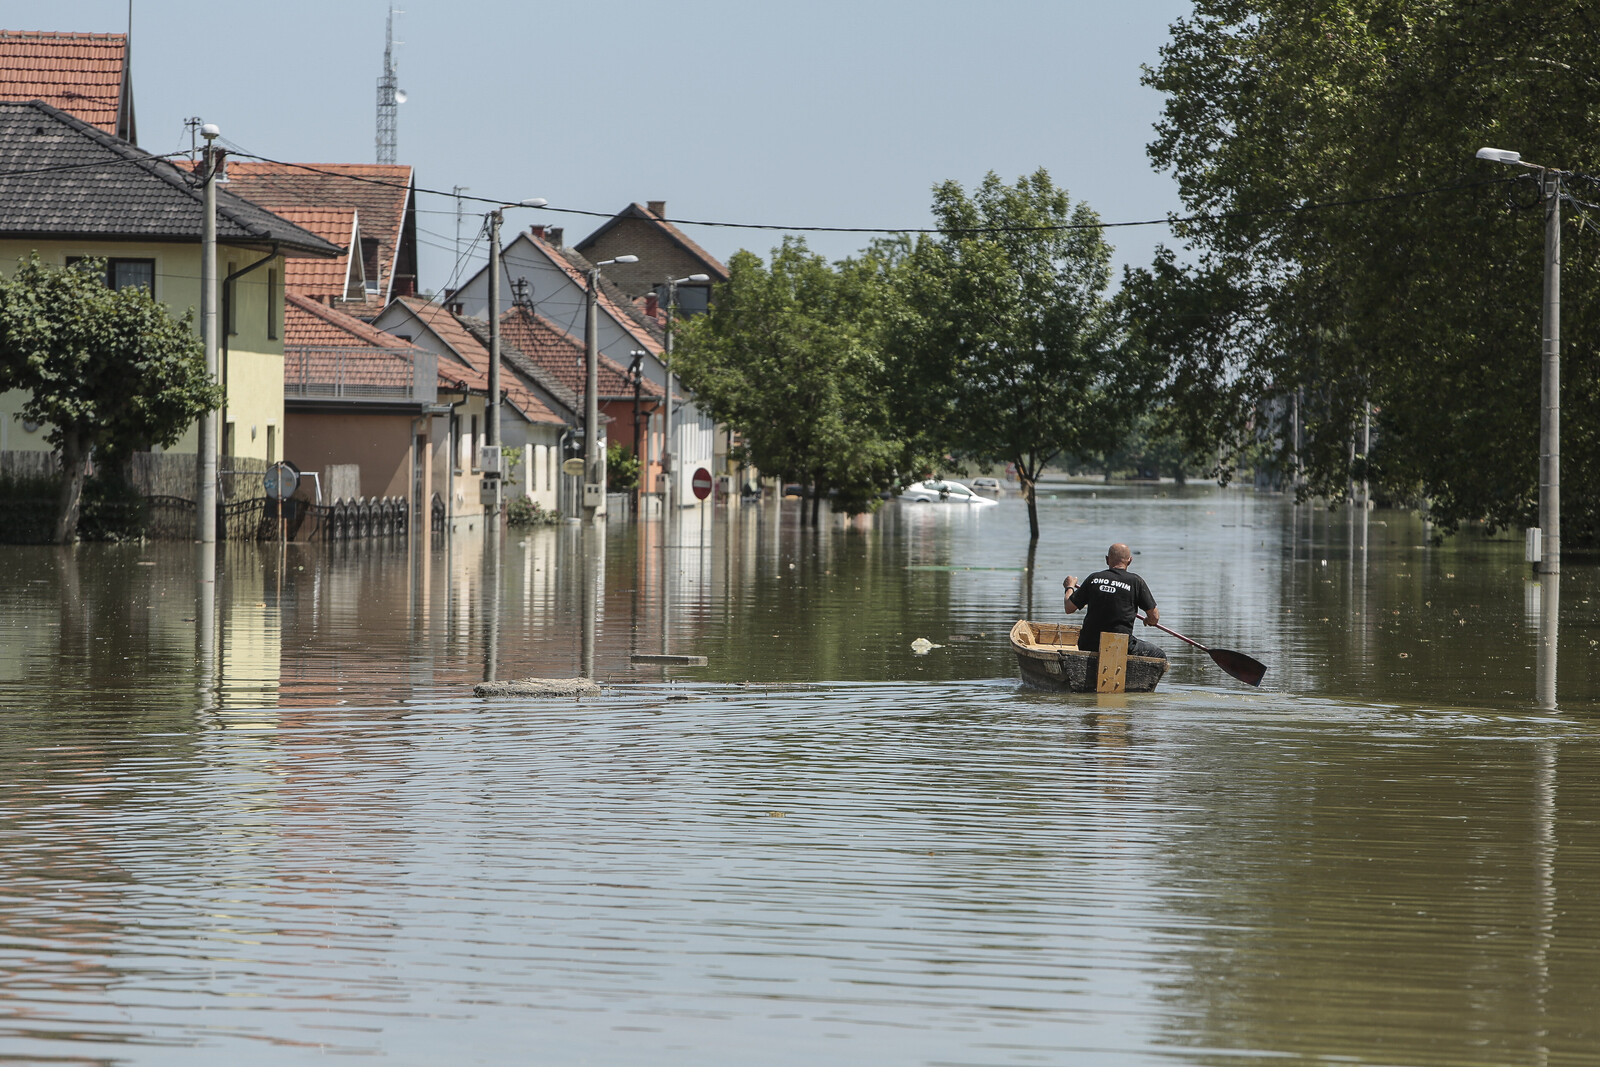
(211, 131)
(1499, 155)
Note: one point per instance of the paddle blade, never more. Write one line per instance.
(1245, 668)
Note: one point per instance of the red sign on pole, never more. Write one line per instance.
(702, 483)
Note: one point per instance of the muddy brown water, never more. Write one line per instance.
(262, 818)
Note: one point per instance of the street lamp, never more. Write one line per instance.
(492, 429)
(594, 474)
(1548, 560)
(669, 465)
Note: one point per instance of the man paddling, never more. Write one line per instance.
(1114, 598)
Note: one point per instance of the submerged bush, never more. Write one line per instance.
(524, 512)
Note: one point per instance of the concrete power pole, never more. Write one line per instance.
(1550, 384)
(206, 450)
(492, 522)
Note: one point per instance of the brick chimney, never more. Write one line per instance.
(557, 236)
(658, 208)
(537, 231)
(651, 305)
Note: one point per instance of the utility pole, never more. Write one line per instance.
(594, 461)
(492, 522)
(1550, 383)
(206, 450)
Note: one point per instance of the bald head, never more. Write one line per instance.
(1119, 555)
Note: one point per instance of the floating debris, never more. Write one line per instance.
(922, 646)
(538, 687)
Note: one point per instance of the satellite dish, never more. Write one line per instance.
(399, 96)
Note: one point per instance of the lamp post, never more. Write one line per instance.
(594, 472)
(1549, 556)
(669, 465)
(492, 415)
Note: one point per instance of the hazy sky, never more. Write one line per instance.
(822, 113)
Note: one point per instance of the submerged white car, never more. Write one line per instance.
(943, 491)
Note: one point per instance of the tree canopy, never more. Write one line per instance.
(1348, 249)
(786, 355)
(108, 372)
(1007, 343)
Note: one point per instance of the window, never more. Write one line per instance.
(272, 302)
(272, 443)
(472, 441)
(230, 306)
(123, 273)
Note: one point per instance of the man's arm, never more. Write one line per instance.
(1070, 586)
(1152, 614)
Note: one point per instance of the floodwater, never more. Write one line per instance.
(263, 818)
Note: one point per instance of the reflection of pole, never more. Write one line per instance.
(669, 519)
(591, 586)
(491, 652)
(1549, 628)
(205, 623)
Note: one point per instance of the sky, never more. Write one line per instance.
(838, 113)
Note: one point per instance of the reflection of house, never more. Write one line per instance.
(534, 417)
(665, 253)
(555, 283)
(356, 395)
(69, 190)
(375, 203)
(84, 74)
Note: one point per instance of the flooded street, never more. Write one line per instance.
(258, 819)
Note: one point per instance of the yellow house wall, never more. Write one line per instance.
(254, 364)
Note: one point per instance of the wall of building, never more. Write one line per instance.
(380, 444)
(254, 362)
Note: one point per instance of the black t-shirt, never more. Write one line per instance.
(1112, 599)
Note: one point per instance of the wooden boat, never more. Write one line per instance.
(1049, 656)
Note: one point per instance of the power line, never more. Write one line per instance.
(1170, 220)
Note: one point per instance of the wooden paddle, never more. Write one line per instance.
(1245, 668)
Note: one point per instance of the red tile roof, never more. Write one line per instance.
(561, 355)
(322, 346)
(473, 357)
(322, 277)
(379, 192)
(83, 74)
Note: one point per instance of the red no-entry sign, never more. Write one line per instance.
(702, 483)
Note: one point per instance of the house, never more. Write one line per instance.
(356, 396)
(535, 419)
(627, 402)
(555, 284)
(379, 202)
(84, 74)
(665, 253)
(69, 190)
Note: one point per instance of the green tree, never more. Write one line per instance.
(788, 356)
(1358, 253)
(109, 372)
(622, 467)
(1007, 343)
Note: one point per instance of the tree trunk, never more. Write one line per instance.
(72, 464)
(1030, 494)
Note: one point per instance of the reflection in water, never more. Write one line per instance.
(264, 812)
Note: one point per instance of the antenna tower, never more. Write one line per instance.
(389, 97)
